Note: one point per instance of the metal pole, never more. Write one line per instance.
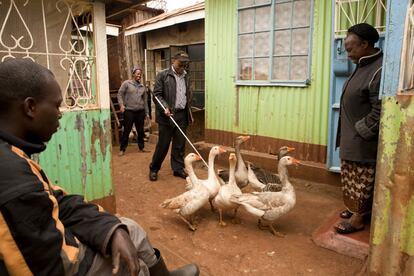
(182, 132)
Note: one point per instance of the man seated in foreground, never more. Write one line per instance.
(43, 230)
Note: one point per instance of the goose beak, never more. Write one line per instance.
(232, 156)
(289, 149)
(245, 138)
(296, 162)
(221, 150)
(197, 157)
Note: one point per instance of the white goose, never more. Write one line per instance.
(212, 183)
(191, 201)
(192, 177)
(222, 200)
(269, 206)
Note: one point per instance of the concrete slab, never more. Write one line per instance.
(354, 245)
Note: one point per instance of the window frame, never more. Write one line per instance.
(406, 70)
(274, 82)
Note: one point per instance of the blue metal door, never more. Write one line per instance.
(341, 69)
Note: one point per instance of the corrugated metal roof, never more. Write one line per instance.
(197, 10)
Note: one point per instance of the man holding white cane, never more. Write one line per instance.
(172, 90)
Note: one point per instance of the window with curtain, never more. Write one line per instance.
(274, 40)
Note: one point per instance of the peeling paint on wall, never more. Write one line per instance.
(80, 127)
(392, 248)
(78, 158)
(101, 137)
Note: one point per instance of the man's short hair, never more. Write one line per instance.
(365, 32)
(21, 78)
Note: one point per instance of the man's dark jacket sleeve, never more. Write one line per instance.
(41, 226)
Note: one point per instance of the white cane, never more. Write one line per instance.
(182, 132)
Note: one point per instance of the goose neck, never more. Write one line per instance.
(190, 171)
(283, 173)
(211, 158)
(232, 178)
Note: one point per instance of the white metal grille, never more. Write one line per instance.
(351, 12)
(56, 34)
(407, 58)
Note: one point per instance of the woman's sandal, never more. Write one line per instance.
(346, 214)
(346, 227)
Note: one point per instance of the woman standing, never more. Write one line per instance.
(132, 99)
(358, 126)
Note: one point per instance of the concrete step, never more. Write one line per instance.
(355, 245)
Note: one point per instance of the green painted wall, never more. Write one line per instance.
(392, 232)
(290, 113)
(78, 158)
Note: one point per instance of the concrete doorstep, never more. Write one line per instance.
(354, 245)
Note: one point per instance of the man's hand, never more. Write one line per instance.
(122, 109)
(123, 248)
(167, 112)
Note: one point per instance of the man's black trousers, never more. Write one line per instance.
(168, 133)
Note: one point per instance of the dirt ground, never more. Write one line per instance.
(237, 249)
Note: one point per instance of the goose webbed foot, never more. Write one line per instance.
(276, 233)
(195, 220)
(221, 222)
(271, 228)
(191, 226)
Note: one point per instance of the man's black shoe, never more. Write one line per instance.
(181, 174)
(153, 176)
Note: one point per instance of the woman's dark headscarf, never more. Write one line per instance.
(365, 32)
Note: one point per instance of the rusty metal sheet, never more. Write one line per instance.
(392, 239)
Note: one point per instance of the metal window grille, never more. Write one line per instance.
(351, 12)
(407, 58)
(58, 35)
(274, 40)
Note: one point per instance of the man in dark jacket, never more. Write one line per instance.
(45, 231)
(172, 89)
(358, 127)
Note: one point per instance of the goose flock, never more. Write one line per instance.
(273, 195)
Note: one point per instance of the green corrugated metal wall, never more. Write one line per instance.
(78, 158)
(290, 113)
